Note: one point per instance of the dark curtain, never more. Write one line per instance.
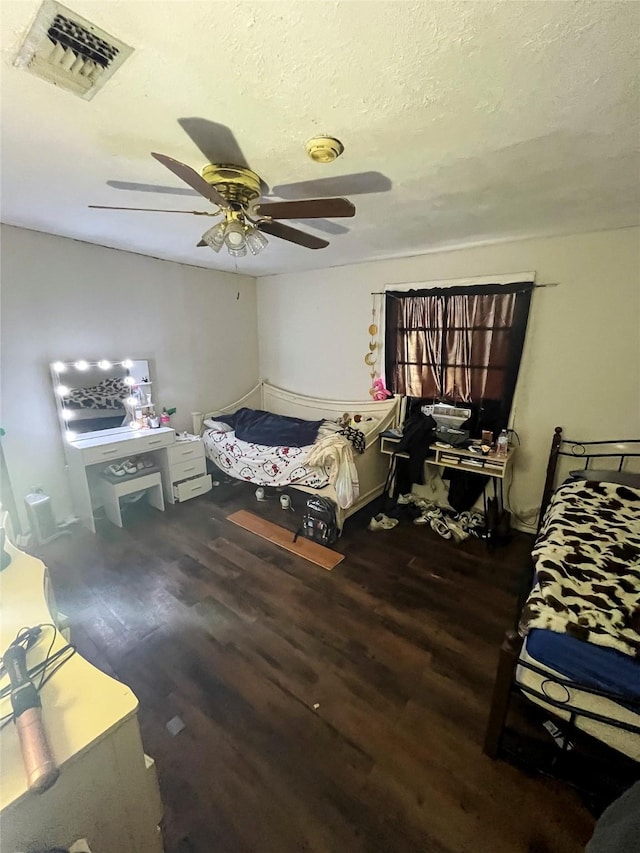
(458, 345)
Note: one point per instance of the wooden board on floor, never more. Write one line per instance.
(312, 551)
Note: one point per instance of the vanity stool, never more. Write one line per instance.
(114, 488)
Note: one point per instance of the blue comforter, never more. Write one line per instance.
(271, 430)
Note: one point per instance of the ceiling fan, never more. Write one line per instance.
(238, 192)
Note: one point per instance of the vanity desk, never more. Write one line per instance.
(89, 454)
(107, 416)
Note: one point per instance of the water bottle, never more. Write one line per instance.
(502, 445)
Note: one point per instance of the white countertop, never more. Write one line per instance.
(110, 436)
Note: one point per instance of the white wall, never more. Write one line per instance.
(581, 363)
(63, 299)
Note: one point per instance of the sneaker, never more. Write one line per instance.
(434, 513)
(382, 522)
(403, 500)
(129, 467)
(421, 519)
(439, 526)
(115, 471)
(458, 532)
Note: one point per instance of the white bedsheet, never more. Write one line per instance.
(260, 464)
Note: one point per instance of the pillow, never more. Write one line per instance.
(217, 426)
(620, 478)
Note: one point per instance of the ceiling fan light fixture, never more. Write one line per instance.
(234, 235)
(214, 237)
(237, 251)
(256, 241)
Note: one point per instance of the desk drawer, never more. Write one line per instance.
(181, 451)
(192, 488)
(190, 468)
(108, 452)
(153, 441)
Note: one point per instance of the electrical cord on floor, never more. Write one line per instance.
(44, 669)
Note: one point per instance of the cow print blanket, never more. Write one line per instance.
(587, 564)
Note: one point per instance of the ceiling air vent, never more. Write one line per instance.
(70, 52)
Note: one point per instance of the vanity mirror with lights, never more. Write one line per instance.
(92, 396)
(109, 424)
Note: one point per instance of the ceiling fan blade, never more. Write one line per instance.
(151, 188)
(311, 208)
(216, 141)
(191, 177)
(200, 243)
(153, 210)
(286, 232)
(360, 183)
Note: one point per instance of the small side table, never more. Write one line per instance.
(492, 465)
(458, 458)
(113, 489)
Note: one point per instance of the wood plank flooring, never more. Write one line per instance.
(338, 711)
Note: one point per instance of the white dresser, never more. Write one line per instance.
(184, 470)
(107, 791)
(88, 456)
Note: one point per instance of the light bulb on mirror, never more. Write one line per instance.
(127, 364)
(104, 364)
(129, 380)
(62, 390)
(81, 365)
(68, 415)
(70, 435)
(59, 366)
(131, 401)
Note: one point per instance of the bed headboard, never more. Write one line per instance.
(281, 402)
(619, 454)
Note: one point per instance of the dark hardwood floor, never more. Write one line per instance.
(324, 711)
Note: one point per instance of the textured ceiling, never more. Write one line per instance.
(491, 120)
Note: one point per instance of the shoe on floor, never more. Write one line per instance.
(403, 500)
(458, 531)
(421, 519)
(382, 522)
(440, 527)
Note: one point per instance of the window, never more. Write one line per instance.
(458, 345)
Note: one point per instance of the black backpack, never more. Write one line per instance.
(319, 521)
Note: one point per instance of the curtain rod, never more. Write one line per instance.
(385, 292)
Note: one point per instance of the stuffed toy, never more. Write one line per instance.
(379, 391)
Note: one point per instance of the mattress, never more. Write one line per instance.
(625, 742)
(262, 464)
(596, 666)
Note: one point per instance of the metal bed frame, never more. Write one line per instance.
(506, 683)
